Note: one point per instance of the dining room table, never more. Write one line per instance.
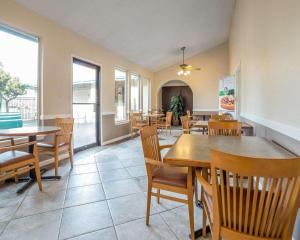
(31, 132)
(193, 150)
(153, 117)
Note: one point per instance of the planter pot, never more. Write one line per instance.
(175, 122)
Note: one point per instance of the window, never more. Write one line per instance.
(146, 95)
(134, 93)
(18, 78)
(120, 95)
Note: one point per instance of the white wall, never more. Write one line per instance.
(265, 37)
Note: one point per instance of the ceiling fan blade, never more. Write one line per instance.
(189, 67)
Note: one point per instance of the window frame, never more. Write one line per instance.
(127, 86)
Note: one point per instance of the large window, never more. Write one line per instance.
(146, 94)
(18, 78)
(120, 95)
(134, 93)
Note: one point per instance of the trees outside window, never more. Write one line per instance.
(10, 88)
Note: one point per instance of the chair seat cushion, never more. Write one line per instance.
(50, 145)
(11, 157)
(172, 176)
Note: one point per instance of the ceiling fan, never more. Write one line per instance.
(184, 68)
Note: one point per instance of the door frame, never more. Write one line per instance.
(84, 62)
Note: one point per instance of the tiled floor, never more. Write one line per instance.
(102, 198)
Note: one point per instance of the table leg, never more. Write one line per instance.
(32, 177)
(199, 232)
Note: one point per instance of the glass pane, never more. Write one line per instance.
(84, 104)
(84, 124)
(18, 79)
(120, 95)
(146, 89)
(134, 93)
(84, 84)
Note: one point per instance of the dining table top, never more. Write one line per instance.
(194, 149)
(28, 131)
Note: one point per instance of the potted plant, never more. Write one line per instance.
(177, 107)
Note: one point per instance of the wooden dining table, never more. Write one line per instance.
(193, 150)
(31, 132)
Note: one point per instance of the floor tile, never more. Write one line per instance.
(106, 157)
(79, 180)
(84, 219)
(120, 188)
(8, 207)
(104, 234)
(131, 162)
(114, 175)
(106, 166)
(41, 202)
(165, 204)
(2, 227)
(142, 183)
(51, 185)
(85, 160)
(178, 220)
(87, 168)
(41, 226)
(137, 230)
(137, 171)
(128, 208)
(84, 194)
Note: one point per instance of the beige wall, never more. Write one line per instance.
(265, 38)
(58, 45)
(204, 84)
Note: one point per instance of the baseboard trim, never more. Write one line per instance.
(115, 139)
(282, 128)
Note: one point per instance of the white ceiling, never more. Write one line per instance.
(147, 32)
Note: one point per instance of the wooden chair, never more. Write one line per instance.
(185, 124)
(14, 162)
(259, 202)
(225, 128)
(165, 177)
(190, 117)
(62, 141)
(137, 122)
(166, 122)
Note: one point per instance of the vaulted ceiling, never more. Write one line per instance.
(147, 32)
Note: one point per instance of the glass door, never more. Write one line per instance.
(86, 110)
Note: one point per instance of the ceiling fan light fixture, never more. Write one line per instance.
(180, 73)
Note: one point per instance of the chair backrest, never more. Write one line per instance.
(224, 128)
(255, 196)
(169, 118)
(221, 116)
(188, 113)
(185, 123)
(150, 143)
(135, 117)
(66, 127)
